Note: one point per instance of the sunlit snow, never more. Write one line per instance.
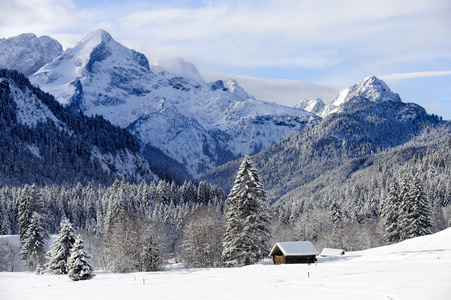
(414, 269)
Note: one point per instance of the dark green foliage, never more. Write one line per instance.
(346, 138)
(48, 153)
(79, 267)
(61, 249)
(247, 235)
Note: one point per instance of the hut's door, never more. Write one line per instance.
(279, 260)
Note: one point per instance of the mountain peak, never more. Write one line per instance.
(371, 89)
(97, 37)
(27, 53)
(314, 106)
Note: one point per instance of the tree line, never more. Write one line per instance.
(134, 227)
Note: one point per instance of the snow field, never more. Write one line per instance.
(334, 279)
(419, 268)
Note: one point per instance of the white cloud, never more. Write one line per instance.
(285, 92)
(310, 34)
(42, 17)
(415, 75)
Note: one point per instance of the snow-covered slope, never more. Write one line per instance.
(27, 53)
(415, 269)
(370, 89)
(37, 124)
(314, 106)
(200, 125)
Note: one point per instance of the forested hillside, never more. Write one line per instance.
(44, 143)
(348, 202)
(335, 174)
(360, 130)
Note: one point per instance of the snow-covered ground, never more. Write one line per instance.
(415, 269)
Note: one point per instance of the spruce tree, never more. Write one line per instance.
(418, 221)
(30, 201)
(247, 235)
(32, 230)
(390, 213)
(78, 265)
(34, 243)
(336, 215)
(61, 249)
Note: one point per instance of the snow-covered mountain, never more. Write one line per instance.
(42, 142)
(369, 119)
(314, 106)
(196, 124)
(27, 53)
(371, 89)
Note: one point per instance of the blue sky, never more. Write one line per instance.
(407, 43)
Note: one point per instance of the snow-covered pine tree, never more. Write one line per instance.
(390, 213)
(404, 208)
(419, 219)
(78, 265)
(30, 201)
(336, 215)
(32, 233)
(34, 243)
(247, 235)
(61, 248)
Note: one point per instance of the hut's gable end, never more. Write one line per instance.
(293, 252)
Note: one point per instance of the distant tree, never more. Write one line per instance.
(201, 243)
(134, 243)
(61, 248)
(336, 215)
(9, 257)
(78, 265)
(154, 242)
(247, 234)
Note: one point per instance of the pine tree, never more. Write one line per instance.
(390, 213)
(61, 249)
(336, 215)
(30, 201)
(247, 235)
(404, 209)
(34, 243)
(78, 265)
(418, 221)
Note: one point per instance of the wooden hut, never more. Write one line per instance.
(329, 252)
(293, 253)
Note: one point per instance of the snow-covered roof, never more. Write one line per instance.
(295, 248)
(332, 252)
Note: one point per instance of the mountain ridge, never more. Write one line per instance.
(30, 52)
(359, 127)
(213, 122)
(44, 143)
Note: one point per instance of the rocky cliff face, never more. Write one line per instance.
(192, 123)
(27, 53)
